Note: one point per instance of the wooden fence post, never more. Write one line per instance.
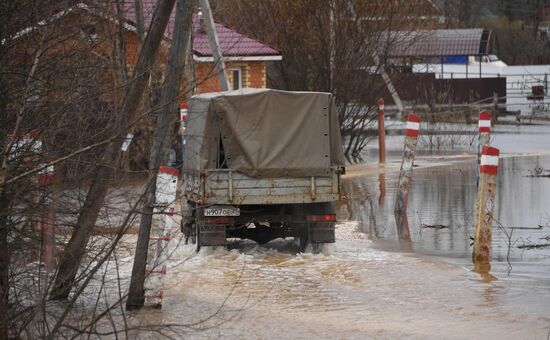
(381, 133)
(411, 138)
(488, 169)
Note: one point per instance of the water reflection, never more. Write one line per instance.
(382, 188)
(483, 270)
(441, 211)
(402, 224)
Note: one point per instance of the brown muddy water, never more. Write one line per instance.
(442, 220)
(365, 286)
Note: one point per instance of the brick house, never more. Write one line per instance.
(85, 37)
(245, 57)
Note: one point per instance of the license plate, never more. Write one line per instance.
(222, 211)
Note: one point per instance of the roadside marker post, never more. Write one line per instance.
(412, 131)
(488, 170)
(161, 225)
(484, 128)
(381, 132)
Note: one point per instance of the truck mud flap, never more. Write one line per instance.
(322, 233)
(211, 235)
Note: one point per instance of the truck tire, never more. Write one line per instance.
(314, 234)
(189, 231)
(303, 239)
(197, 237)
(188, 228)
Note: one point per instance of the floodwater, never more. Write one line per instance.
(353, 291)
(451, 138)
(369, 285)
(441, 211)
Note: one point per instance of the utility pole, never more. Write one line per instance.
(74, 251)
(215, 45)
(161, 145)
(389, 85)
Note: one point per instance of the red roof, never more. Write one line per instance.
(232, 43)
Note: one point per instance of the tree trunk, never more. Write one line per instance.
(139, 22)
(4, 264)
(6, 198)
(121, 41)
(74, 251)
(5, 259)
(161, 143)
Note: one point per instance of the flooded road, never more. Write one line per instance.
(354, 292)
(368, 285)
(441, 209)
(442, 220)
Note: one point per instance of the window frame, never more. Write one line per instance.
(240, 83)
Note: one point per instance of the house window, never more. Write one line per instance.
(236, 78)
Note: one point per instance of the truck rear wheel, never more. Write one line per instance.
(303, 239)
(314, 233)
(197, 237)
(189, 231)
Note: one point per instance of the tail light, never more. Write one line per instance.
(321, 218)
(219, 220)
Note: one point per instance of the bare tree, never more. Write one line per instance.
(62, 76)
(57, 104)
(75, 249)
(341, 36)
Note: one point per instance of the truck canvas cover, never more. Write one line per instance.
(264, 133)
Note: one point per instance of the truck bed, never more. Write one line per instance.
(224, 186)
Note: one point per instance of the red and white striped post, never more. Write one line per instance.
(412, 131)
(157, 254)
(488, 170)
(381, 133)
(183, 113)
(484, 128)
